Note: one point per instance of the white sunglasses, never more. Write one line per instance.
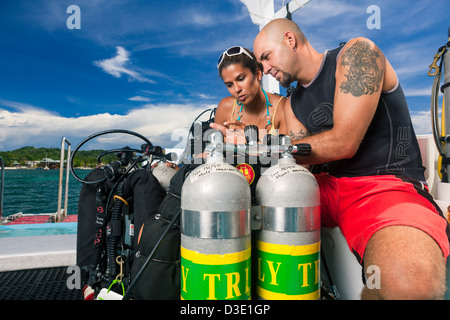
(233, 51)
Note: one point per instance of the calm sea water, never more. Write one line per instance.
(36, 191)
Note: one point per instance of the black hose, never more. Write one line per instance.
(94, 136)
(113, 234)
(435, 111)
(119, 180)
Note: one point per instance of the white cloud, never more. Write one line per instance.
(420, 92)
(165, 125)
(421, 121)
(202, 19)
(120, 64)
(206, 96)
(140, 98)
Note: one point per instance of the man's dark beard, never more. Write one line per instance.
(286, 80)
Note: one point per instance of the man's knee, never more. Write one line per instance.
(426, 281)
(410, 263)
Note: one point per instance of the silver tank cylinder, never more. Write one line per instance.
(287, 263)
(164, 174)
(215, 233)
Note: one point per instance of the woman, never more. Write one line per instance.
(248, 104)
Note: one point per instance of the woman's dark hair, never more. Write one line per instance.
(252, 64)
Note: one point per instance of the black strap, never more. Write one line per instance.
(420, 188)
(445, 85)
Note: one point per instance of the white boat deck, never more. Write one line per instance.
(43, 250)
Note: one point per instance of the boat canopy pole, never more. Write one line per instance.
(262, 12)
(441, 134)
(445, 89)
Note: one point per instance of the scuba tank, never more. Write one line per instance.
(162, 172)
(215, 230)
(287, 248)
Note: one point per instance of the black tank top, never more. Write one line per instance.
(390, 145)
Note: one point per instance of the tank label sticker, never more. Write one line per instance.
(285, 170)
(247, 171)
(215, 276)
(211, 169)
(287, 272)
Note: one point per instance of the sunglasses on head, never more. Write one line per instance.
(233, 51)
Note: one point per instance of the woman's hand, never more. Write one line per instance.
(233, 131)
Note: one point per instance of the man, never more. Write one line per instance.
(350, 108)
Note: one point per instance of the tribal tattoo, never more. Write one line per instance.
(298, 135)
(364, 74)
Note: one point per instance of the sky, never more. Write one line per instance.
(150, 66)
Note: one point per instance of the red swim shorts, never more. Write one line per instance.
(360, 206)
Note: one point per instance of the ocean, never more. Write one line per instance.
(36, 191)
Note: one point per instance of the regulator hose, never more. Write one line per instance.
(113, 234)
(97, 135)
(435, 110)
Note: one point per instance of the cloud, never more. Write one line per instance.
(161, 124)
(120, 64)
(420, 92)
(140, 98)
(411, 58)
(37, 127)
(421, 121)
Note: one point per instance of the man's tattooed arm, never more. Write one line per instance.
(298, 135)
(364, 73)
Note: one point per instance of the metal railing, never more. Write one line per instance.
(61, 213)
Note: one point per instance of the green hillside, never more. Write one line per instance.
(23, 155)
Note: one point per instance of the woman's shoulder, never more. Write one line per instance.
(275, 99)
(224, 109)
(227, 100)
(226, 104)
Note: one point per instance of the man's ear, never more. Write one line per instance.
(290, 40)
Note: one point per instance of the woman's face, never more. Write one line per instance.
(241, 82)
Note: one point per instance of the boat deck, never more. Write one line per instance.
(29, 242)
(37, 284)
(34, 256)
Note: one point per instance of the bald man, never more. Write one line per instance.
(350, 107)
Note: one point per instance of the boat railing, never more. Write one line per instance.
(2, 187)
(62, 213)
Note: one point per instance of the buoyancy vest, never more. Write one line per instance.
(143, 195)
